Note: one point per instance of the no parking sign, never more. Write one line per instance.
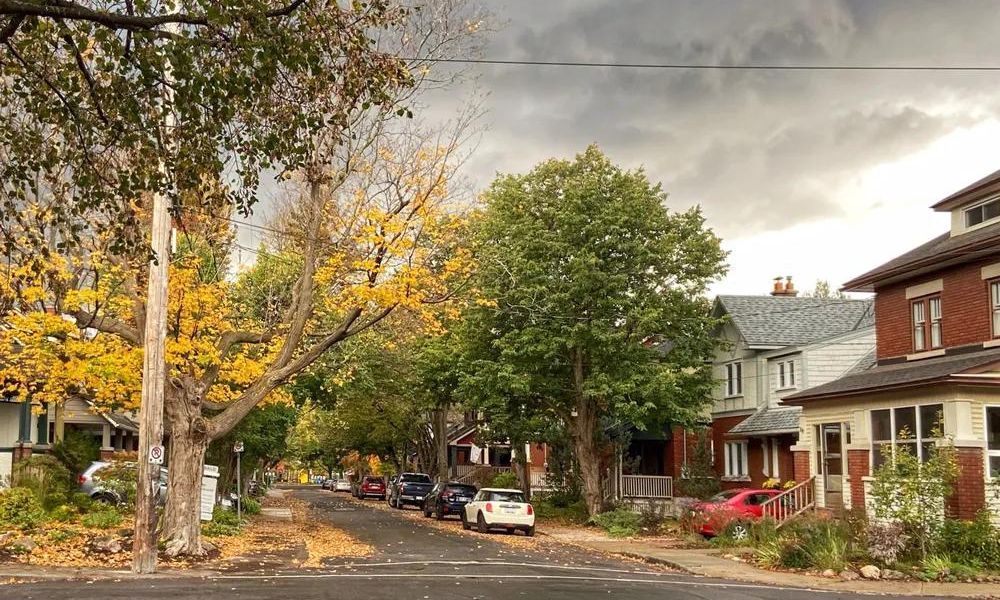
(156, 455)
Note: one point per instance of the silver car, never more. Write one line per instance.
(91, 485)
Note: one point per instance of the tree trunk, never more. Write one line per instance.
(441, 442)
(583, 430)
(188, 444)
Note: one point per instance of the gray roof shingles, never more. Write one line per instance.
(770, 420)
(786, 321)
(906, 373)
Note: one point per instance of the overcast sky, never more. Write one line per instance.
(818, 175)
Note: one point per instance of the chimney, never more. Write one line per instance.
(779, 287)
(783, 286)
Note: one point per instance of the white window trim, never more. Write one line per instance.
(986, 438)
(774, 458)
(729, 380)
(741, 447)
(786, 375)
(994, 308)
(984, 222)
(894, 431)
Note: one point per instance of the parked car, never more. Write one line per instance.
(342, 485)
(448, 499)
(410, 488)
(732, 509)
(90, 483)
(371, 486)
(327, 484)
(498, 508)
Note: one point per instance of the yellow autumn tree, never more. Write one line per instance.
(362, 234)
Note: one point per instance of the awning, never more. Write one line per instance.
(769, 421)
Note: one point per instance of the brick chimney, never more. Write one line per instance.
(783, 286)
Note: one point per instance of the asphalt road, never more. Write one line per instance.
(415, 561)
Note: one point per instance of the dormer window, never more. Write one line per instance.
(982, 213)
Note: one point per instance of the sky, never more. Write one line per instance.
(810, 174)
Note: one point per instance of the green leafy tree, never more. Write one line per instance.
(584, 272)
(912, 493)
(823, 289)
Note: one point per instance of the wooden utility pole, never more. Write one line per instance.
(154, 370)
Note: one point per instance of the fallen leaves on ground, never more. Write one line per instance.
(304, 535)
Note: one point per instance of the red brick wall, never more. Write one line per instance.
(970, 489)
(720, 427)
(786, 462)
(800, 460)
(858, 467)
(965, 310)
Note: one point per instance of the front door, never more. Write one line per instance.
(832, 464)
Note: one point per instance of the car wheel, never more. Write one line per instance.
(427, 512)
(105, 498)
(530, 532)
(510, 531)
(465, 524)
(439, 513)
(481, 524)
(739, 531)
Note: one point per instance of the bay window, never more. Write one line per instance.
(911, 429)
(995, 307)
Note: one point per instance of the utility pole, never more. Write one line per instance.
(154, 369)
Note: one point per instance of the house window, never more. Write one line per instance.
(736, 459)
(769, 449)
(786, 374)
(995, 306)
(913, 429)
(734, 379)
(993, 439)
(927, 323)
(986, 211)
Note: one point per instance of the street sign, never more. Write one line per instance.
(156, 455)
(238, 447)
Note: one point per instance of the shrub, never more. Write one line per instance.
(547, 508)
(699, 480)
(20, 508)
(652, 515)
(887, 542)
(223, 516)
(102, 519)
(250, 506)
(119, 477)
(505, 479)
(827, 546)
(61, 535)
(76, 451)
(46, 477)
(620, 522)
(975, 543)
(63, 513)
(81, 501)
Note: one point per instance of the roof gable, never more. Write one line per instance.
(769, 321)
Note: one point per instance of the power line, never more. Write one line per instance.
(705, 67)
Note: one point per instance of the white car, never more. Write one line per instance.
(342, 485)
(496, 508)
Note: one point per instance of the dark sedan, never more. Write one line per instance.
(448, 499)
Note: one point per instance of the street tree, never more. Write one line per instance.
(594, 310)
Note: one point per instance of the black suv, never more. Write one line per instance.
(448, 499)
(409, 488)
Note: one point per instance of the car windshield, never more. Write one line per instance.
(723, 496)
(466, 490)
(507, 496)
(415, 478)
(376, 480)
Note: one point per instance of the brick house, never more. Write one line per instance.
(937, 363)
(774, 346)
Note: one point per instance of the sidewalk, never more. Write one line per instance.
(710, 563)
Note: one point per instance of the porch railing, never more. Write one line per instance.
(792, 502)
(476, 473)
(540, 481)
(647, 486)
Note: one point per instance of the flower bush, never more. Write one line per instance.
(20, 509)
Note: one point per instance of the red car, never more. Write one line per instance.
(372, 486)
(733, 509)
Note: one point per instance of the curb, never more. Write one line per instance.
(658, 561)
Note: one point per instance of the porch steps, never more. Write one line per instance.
(792, 502)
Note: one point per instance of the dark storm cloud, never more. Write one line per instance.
(759, 150)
